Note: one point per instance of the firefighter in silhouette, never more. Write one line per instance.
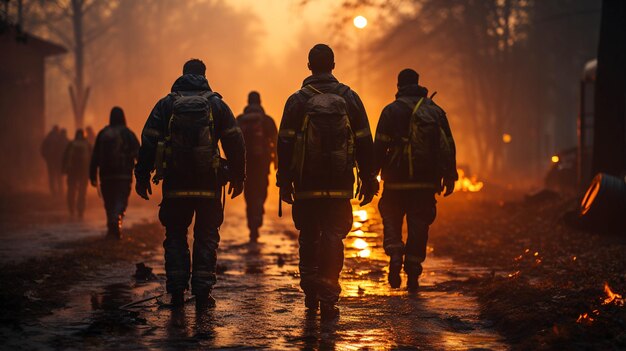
(416, 152)
(113, 160)
(76, 167)
(324, 134)
(259, 133)
(180, 139)
(49, 151)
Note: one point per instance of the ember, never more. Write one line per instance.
(612, 298)
(585, 318)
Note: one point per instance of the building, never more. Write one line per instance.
(22, 116)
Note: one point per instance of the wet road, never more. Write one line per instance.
(261, 306)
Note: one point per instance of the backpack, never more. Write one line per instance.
(251, 125)
(190, 135)
(324, 148)
(112, 149)
(427, 145)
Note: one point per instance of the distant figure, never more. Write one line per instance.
(53, 164)
(91, 135)
(259, 132)
(76, 166)
(113, 159)
(323, 134)
(416, 152)
(181, 139)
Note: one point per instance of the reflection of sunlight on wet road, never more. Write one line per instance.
(260, 305)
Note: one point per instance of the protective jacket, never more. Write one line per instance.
(121, 170)
(259, 157)
(392, 133)
(225, 129)
(291, 124)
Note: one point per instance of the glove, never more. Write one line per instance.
(448, 185)
(367, 192)
(286, 194)
(94, 183)
(235, 188)
(143, 188)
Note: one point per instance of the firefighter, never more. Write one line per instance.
(323, 134)
(76, 167)
(113, 159)
(180, 139)
(415, 150)
(259, 133)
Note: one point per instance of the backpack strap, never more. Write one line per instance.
(414, 108)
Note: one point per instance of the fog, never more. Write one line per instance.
(498, 67)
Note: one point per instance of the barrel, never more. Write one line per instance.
(604, 203)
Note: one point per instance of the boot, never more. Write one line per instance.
(328, 312)
(204, 300)
(254, 235)
(177, 299)
(311, 302)
(412, 284)
(395, 266)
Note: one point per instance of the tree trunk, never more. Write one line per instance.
(609, 150)
(78, 93)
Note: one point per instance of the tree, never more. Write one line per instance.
(77, 24)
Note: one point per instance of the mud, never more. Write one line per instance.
(260, 305)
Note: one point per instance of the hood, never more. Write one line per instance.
(320, 78)
(191, 82)
(254, 108)
(412, 90)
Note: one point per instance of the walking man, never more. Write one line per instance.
(113, 159)
(324, 134)
(181, 139)
(48, 152)
(76, 166)
(259, 133)
(416, 152)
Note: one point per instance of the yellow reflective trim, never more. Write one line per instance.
(338, 194)
(287, 133)
(404, 186)
(208, 194)
(383, 137)
(362, 133)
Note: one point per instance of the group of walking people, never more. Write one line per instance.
(106, 161)
(324, 136)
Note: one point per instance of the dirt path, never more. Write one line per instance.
(261, 306)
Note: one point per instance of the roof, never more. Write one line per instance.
(47, 48)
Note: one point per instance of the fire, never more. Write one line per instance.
(555, 159)
(360, 244)
(361, 215)
(612, 297)
(364, 253)
(585, 318)
(465, 183)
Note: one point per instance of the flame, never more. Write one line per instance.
(357, 225)
(470, 184)
(361, 215)
(612, 297)
(360, 244)
(378, 178)
(585, 318)
(364, 253)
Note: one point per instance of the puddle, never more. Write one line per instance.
(260, 305)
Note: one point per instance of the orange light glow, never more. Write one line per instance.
(357, 225)
(364, 253)
(612, 297)
(360, 22)
(361, 215)
(469, 184)
(360, 244)
(506, 138)
(378, 178)
(555, 159)
(585, 318)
